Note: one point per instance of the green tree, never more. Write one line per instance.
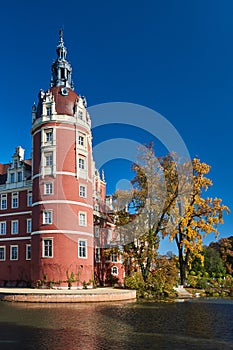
(213, 264)
(225, 248)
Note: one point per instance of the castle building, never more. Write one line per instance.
(54, 226)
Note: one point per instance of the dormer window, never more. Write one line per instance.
(20, 176)
(49, 110)
(12, 177)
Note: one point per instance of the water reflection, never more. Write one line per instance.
(200, 324)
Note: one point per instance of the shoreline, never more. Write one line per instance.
(31, 295)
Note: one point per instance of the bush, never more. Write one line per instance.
(159, 282)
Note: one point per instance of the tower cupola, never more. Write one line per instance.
(61, 68)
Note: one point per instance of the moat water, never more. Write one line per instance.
(196, 324)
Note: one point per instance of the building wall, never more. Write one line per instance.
(68, 195)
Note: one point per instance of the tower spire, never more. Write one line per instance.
(61, 68)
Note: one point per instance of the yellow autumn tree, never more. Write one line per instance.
(195, 217)
(168, 199)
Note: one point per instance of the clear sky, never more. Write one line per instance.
(175, 57)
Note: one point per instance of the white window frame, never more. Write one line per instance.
(28, 251)
(3, 200)
(29, 198)
(13, 227)
(45, 248)
(113, 257)
(96, 207)
(47, 217)
(81, 140)
(112, 270)
(48, 136)
(48, 110)
(82, 191)
(82, 248)
(82, 218)
(11, 251)
(3, 248)
(2, 225)
(80, 114)
(48, 188)
(29, 225)
(81, 163)
(14, 200)
(48, 159)
(18, 176)
(12, 178)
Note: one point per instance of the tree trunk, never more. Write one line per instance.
(183, 273)
(183, 267)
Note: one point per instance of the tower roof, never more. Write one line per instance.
(61, 68)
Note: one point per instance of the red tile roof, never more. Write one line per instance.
(3, 168)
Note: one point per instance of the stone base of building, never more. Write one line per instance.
(66, 296)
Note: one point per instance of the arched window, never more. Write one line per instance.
(114, 270)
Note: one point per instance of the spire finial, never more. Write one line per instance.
(61, 68)
(61, 35)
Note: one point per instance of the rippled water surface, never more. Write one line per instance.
(197, 324)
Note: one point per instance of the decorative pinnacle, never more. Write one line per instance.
(61, 41)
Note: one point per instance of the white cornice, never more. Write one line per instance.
(62, 201)
(81, 233)
(14, 239)
(16, 213)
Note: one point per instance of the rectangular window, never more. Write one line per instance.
(81, 140)
(97, 231)
(49, 110)
(2, 253)
(15, 200)
(49, 159)
(28, 251)
(113, 257)
(29, 198)
(82, 219)
(49, 136)
(3, 228)
(80, 115)
(12, 176)
(14, 227)
(47, 248)
(48, 188)
(81, 163)
(3, 201)
(29, 225)
(62, 70)
(47, 217)
(13, 252)
(82, 248)
(96, 207)
(97, 254)
(82, 191)
(20, 176)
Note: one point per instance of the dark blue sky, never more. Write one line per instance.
(175, 57)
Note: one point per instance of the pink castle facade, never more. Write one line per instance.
(53, 221)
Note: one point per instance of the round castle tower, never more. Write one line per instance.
(62, 231)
